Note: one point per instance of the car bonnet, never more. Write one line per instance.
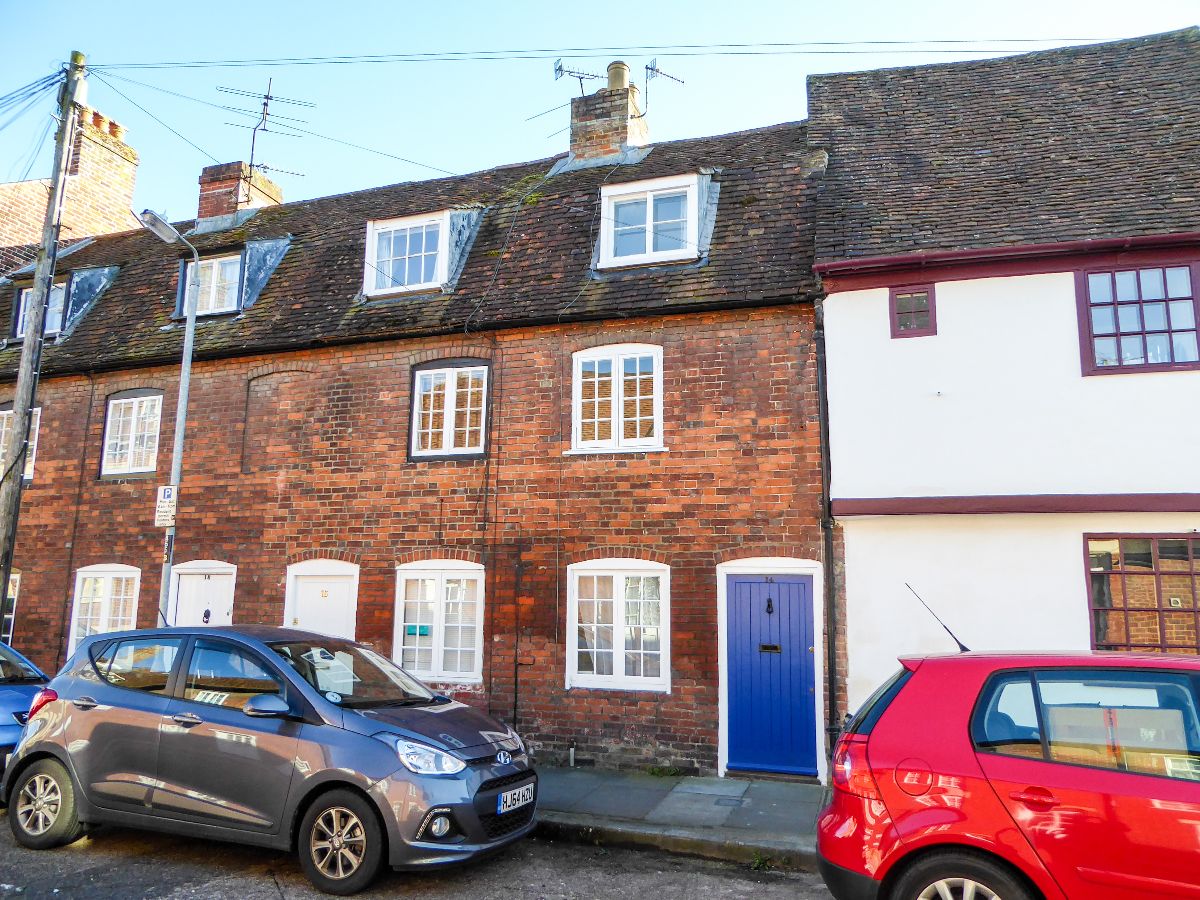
(463, 730)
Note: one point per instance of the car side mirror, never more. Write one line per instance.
(267, 706)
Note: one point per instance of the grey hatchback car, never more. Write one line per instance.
(272, 737)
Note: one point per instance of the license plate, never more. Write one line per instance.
(517, 797)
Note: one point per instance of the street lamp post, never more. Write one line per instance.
(163, 229)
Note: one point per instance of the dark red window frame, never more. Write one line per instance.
(1084, 310)
(1106, 610)
(894, 313)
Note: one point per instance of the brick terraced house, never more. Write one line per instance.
(1011, 251)
(547, 434)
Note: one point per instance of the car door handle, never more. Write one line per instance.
(84, 703)
(1036, 797)
(187, 720)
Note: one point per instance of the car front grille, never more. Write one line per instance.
(495, 784)
(497, 826)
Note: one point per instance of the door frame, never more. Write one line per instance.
(198, 567)
(770, 565)
(321, 568)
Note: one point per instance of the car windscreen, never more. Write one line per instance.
(351, 675)
(14, 670)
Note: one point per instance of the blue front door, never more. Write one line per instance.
(772, 692)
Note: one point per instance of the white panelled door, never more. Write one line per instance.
(324, 604)
(204, 599)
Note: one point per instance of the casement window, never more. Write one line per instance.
(449, 410)
(1143, 592)
(131, 433)
(439, 620)
(650, 221)
(1139, 319)
(218, 287)
(105, 600)
(8, 611)
(617, 398)
(912, 311)
(618, 625)
(408, 254)
(8, 433)
(54, 311)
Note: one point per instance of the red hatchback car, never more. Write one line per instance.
(990, 777)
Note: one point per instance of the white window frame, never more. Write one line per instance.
(212, 262)
(611, 194)
(618, 443)
(441, 267)
(50, 327)
(441, 569)
(128, 468)
(6, 431)
(106, 571)
(449, 411)
(9, 628)
(619, 568)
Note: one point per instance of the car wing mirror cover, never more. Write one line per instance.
(267, 706)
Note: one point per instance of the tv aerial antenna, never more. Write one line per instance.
(652, 72)
(264, 116)
(559, 72)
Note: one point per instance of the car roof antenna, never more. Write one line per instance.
(962, 648)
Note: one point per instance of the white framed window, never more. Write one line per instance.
(619, 625)
(219, 286)
(617, 398)
(408, 254)
(650, 221)
(131, 435)
(449, 410)
(439, 620)
(8, 433)
(105, 600)
(54, 311)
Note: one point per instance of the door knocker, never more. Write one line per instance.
(770, 606)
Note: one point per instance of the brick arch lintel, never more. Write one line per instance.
(439, 552)
(278, 368)
(624, 551)
(642, 335)
(463, 350)
(763, 551)
(324, 553)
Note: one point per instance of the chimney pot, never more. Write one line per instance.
(618, 75)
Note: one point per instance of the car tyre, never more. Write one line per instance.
(41, 809)
(340, 843)
(955, 871)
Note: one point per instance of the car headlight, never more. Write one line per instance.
(517, 738)
(421, 759)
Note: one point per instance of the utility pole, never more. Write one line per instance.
(35, 320)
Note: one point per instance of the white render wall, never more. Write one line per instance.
(995, 402)
(1001, 582)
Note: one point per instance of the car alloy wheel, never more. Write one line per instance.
(338, 843)
(38, 804)
(958, 889)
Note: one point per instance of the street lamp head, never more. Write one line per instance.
(161, 228)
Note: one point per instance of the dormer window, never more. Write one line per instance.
(54, 312)
(650, 221)
(408, 254)
(219, 284)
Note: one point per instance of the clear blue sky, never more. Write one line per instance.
(469, 115)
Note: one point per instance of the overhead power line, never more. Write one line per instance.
(937, 46)
(177, 134)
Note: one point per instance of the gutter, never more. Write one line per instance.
(921, 260)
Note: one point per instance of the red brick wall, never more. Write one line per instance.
(305, 454)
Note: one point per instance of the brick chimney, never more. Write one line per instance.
(230, 187)
(99, 191)
(609, 121)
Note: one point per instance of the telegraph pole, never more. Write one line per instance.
(35, 320)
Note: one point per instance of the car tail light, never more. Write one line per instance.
(851, 773)
(40, 699)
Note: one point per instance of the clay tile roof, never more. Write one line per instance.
(1098, 141)
(761, 253)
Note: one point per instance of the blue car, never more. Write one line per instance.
(19, 681)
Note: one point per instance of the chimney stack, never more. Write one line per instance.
(231, 187)
(609, 121)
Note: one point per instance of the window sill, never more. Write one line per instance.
(642, 262)
(399, 293)
(1141, 370)
(448, 680)
(472, 456)
(207, 316)
(128, 476)
(623, 686)
(601, 451)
